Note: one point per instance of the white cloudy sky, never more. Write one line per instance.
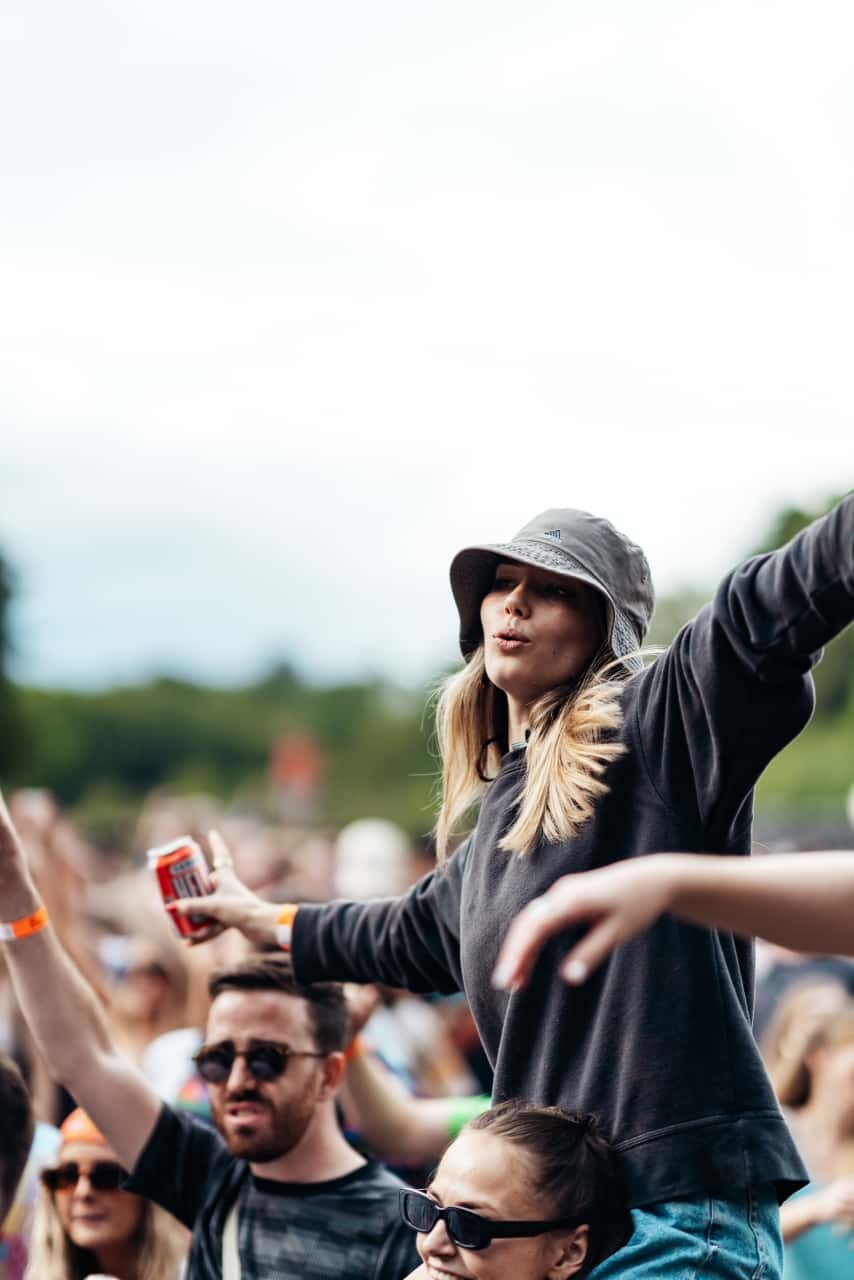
(296, 299)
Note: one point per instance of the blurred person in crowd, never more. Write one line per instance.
(408, 1132)
(818, 1223)
(801, 902)
(800, 1012)
(148, 990)
(374, 858)
(17, 1125)
(579, 756)
(85, 1223)
(61, 870)
(275, 1190)
(524, 1193)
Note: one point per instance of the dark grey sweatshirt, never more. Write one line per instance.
(658, 1042)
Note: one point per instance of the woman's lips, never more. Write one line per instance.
(508, 641)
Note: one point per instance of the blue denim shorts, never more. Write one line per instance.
(702, 1236)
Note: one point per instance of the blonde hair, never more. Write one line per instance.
(160, 1244)
(791, 1073)
(573, 739)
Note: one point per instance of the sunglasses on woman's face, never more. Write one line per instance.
(265, 1059)
(103, 1175)
(467, 1229)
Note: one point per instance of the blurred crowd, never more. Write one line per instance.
(110, 919)
(108, 914)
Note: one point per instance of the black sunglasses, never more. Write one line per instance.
(103, 1175)
(467, 1229)
(265, 1059)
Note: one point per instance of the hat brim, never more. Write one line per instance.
(472, 572)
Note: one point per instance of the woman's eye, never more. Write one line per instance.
(503, 584)
(560, 592)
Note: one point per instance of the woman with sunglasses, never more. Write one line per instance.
(86, 1225)
(578, 756)
(524, 1193)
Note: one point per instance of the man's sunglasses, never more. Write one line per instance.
(467, 1229)
(103, 1175)
(265, 1059)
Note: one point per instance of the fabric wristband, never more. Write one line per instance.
(285, 924)
(354, 1048)
(22, 928)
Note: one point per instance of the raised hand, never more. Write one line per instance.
(18, 895)
(616, 901)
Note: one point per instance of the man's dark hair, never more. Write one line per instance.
(266, 971)
(577, 1174)
(16, 1130)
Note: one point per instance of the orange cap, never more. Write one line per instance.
(79, 1128)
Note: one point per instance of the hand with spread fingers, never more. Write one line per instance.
(802, 901)
(617, 902)
(232, 904)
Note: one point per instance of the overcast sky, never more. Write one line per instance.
(297, 299)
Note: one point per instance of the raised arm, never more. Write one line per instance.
(801, 901)
(64, 1015)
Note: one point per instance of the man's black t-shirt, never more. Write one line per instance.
(287, 1230)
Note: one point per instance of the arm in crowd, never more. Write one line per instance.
(65, 1016)
(395, 1124)
(831, 1204)
(801, 901)
(733, 688)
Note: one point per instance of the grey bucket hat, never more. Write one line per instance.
(577, 545)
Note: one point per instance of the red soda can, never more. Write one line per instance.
(183, 873)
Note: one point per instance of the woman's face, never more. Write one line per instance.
(540, 630)
(483, 1172)
(93, 1219)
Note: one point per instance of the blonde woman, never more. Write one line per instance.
(86, 1225)
(818, 1224)
(577, 755)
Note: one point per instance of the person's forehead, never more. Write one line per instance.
(259, 1015)
(487, 1173)
(516, 568)
(85, 1152)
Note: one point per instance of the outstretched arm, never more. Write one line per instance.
(801, 901)
(411, 941)
(66, 1018)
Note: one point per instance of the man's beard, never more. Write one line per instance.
(278, 1133)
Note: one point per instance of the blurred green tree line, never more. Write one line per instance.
(100, 753)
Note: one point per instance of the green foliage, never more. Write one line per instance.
(101, 752)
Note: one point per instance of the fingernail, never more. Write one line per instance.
(502, 976)
(575, 972)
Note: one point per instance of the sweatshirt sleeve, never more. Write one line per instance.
(734, 687)
(412, 941)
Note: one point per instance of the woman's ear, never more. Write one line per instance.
(570, 1253)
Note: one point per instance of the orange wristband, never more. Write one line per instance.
(33, 923)
(285, 924)
(354, 1048)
